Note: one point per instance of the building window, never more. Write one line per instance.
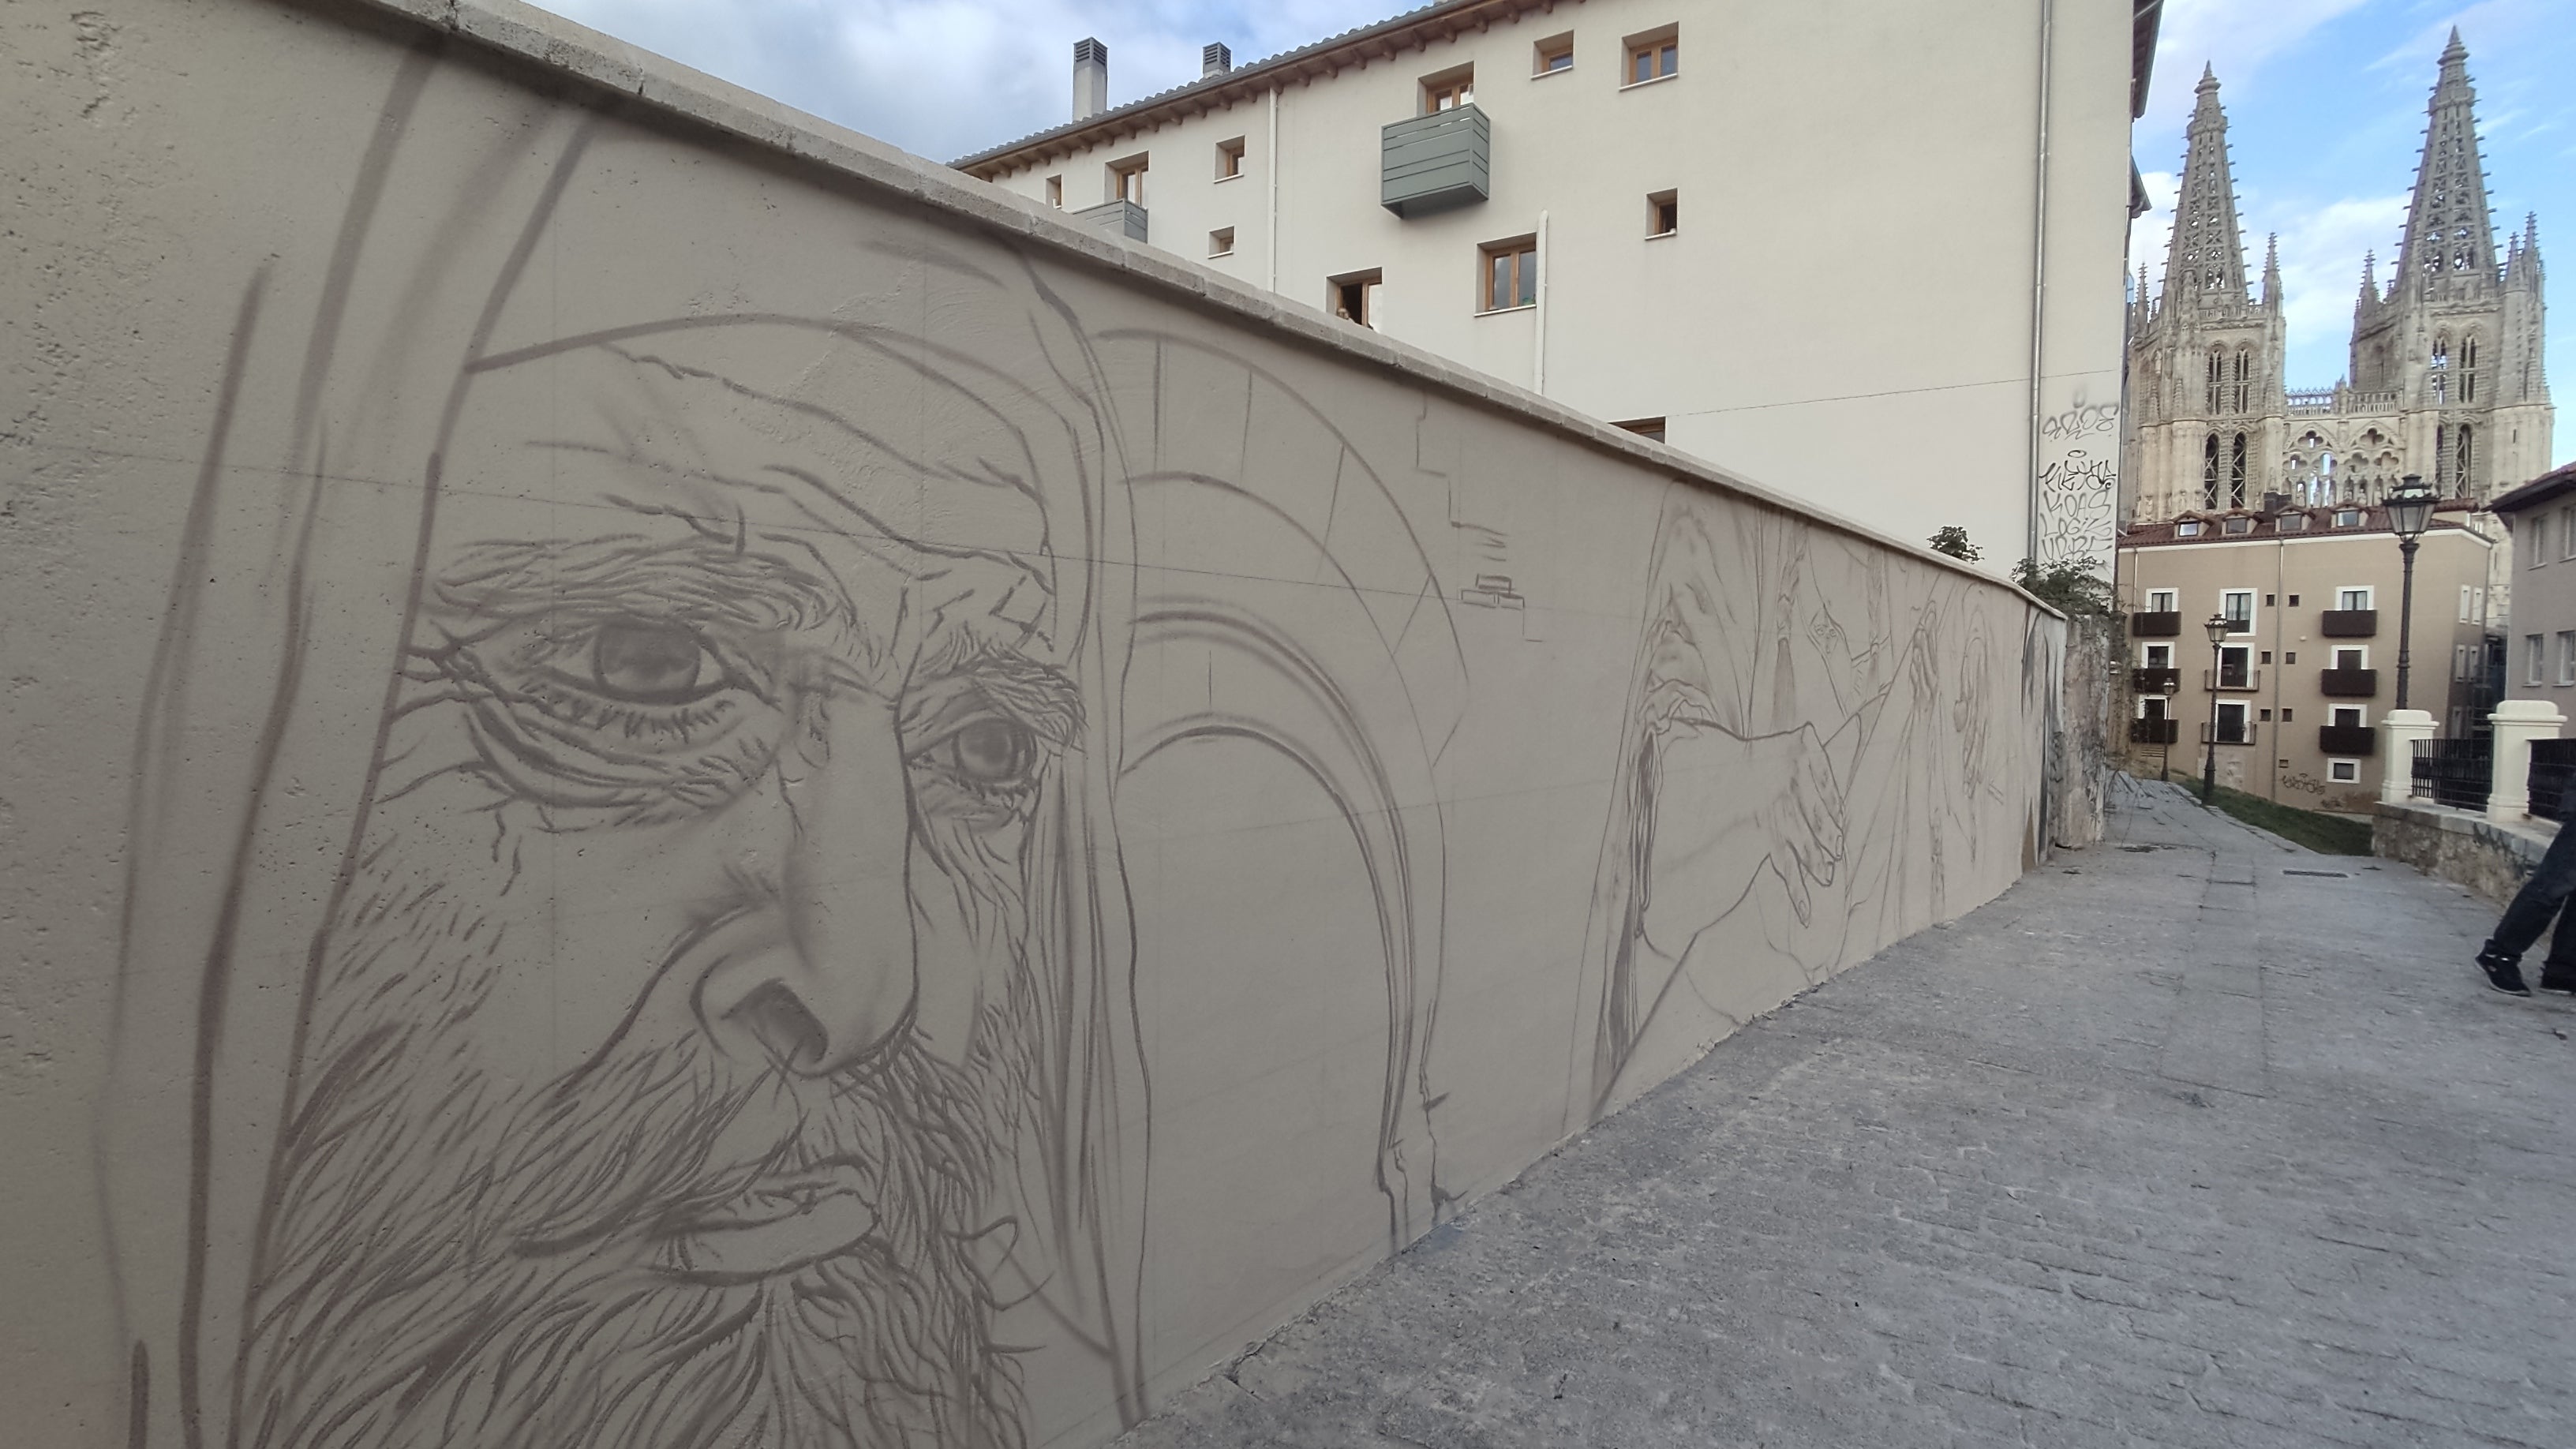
(1448, 90)
(2469, 369)
(2531, 659)
(1663, 213)
(1352, 296)
(2347, 518)
(2464, 603)
(2231, 723)
(1655, 55)
(1229, 159)
(2467, 450)
(1221, 242)
(2351, 599)
(2294, 601)
(2290, 656)
(2285, 709)
(2209, 470)
(2163, 601)
(2567, 532)
(2344, 772)
(1510, 274)
(2478, 607)
(1127, 180)
(1055, 192)
(2235, 667)
(2567, 656)
(2188, 528)
(2264, 715)
(1644, 427)
(1553, 54)
(2217, 380)
(2351, 656)
(2157, 656)
(2237, 605)
(2267, 658)
(2292, 523)
(2237, 525)
(2346, 716)
(2459, 661)
(2240, 385)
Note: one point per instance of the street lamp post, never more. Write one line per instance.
(2218, 627)
(2166, 730)
(2410, 511)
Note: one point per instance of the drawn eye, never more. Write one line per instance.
(988, 751)
(645, 663)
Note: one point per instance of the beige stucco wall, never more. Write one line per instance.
(1845, 312)
(671, 771)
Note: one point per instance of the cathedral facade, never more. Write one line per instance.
(2444, 377)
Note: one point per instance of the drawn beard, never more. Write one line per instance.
(454, 1260)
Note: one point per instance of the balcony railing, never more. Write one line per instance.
(2349, 623)
(2349, 683)
(2154, 681)
(2226, 732)
(2347, 739)
(2231, 681)
(1117, 218)
(1435, 162)
(2167, 625)
(2154, 731)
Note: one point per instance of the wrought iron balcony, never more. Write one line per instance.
(1436, 162)
(2154, 681)
(2231, 681)
(2349, 623)
(1118, 218)
(2226, 732)
(2154, 731)
(2347, 739)
(2167, 625)
(2349, 683)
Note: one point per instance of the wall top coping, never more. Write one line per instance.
(590, 60)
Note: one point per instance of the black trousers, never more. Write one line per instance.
(2542, 899)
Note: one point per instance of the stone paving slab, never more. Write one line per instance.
(2193, 1140)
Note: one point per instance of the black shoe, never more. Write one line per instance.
(2557, 976)
(2503, 973)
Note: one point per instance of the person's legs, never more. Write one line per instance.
(2539, 902)
(2558, 968)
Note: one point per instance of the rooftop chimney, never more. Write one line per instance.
(1215, 59)
(1090, 78)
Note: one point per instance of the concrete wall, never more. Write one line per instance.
(676, 780)
(1846, 310)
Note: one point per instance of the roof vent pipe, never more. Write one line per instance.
(1090, 78)
(1215, 59)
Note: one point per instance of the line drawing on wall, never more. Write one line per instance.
(672, 978)
(1809, 741)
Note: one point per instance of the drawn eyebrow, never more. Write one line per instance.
(1036, 694)
(699, 581)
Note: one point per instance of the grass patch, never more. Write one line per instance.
(2324, 834)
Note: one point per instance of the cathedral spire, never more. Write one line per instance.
(2272, 271)
(2449, 239)
(2205, 262)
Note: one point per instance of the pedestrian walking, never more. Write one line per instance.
(2542, 900)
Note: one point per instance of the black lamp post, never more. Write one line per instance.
(2166, 731)
(2218, 627)
(2410, 512)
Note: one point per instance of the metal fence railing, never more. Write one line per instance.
(2553, 769)
(2456, 773)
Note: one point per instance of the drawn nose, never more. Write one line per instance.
(823, 975)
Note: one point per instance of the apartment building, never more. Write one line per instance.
(2541, 633)
(2293, 693)
(1868, 254)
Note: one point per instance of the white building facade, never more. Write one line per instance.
(1871, 255)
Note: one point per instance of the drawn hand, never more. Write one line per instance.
(1804, 821)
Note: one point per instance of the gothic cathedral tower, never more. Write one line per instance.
(2445, 375)
(2205, 359)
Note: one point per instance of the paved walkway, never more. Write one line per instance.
(2191, 1139)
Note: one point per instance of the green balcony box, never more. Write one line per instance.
(1436, 162)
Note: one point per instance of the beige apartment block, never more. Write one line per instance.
(2541, 634)
(1871, 254)
(2296, 689)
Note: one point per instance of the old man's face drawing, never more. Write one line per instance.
(668, 1049)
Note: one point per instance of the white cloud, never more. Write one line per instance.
(2321, 253)
(942, 78)
(2236, 38)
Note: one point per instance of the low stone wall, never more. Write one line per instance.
(2491, 859)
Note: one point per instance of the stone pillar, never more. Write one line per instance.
(2517, 722)
(2399, 729)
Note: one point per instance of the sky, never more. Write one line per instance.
(2325, 104)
